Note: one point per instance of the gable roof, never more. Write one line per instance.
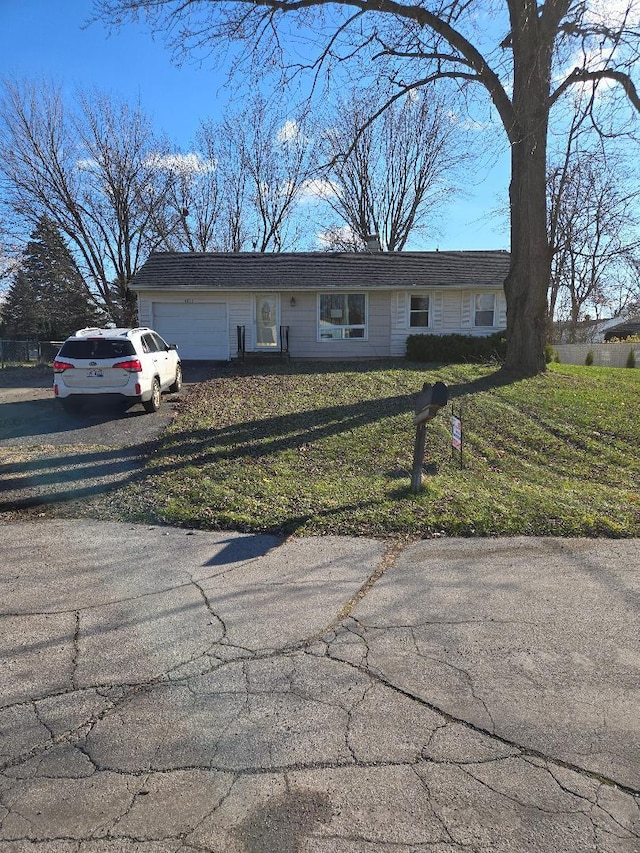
(319, 270)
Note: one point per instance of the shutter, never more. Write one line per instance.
(465, 310)
(401, 311)
(501, 306)
(437, 300)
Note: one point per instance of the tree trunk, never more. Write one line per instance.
(528, 280)
(530, 272)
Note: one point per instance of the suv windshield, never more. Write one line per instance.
(97, 348)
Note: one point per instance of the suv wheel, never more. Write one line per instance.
(177, 385)
(153, 404)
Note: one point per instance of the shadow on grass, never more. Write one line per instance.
(59, 478)
(259, 437)
(500, 378)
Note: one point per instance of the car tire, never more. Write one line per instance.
(177, 384)
(153, 403)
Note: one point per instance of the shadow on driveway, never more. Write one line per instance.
(50, 456)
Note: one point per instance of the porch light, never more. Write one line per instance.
(293, 302)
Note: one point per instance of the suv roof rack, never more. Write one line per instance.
(109, 331)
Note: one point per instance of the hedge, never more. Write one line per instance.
(456, 348)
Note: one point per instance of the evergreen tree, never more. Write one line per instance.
(20, 310)
(62, 295)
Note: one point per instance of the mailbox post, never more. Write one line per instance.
(431, 399)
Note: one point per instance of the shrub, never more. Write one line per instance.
(631, 359)
(626, 340)
(549, 353)
(589, 359)
(456, 348)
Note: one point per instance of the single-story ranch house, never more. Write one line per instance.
(321, 305)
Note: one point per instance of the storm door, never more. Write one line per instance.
(266, 321)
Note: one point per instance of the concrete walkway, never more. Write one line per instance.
(165, 690)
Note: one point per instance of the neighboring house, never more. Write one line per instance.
(318, 304)
(627, 329)
(585, 331)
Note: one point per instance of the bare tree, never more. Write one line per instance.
(93, 172)
(228, 148)
(268, 162)
(593, 249)
(190, 220)
(593, 227)
(525, 55)
(390, 177)
(10, 255)
(239, 187)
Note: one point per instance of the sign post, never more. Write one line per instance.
(428, 403)
(456, 434)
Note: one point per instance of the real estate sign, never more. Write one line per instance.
(456, 433)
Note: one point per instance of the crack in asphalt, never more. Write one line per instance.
(324, 644)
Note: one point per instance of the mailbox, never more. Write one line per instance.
(429, 401)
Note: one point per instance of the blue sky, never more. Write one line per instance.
(48, 38)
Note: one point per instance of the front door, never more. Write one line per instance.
(267, 321)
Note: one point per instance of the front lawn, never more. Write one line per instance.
(317, 448)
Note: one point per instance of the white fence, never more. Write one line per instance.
(604, 355)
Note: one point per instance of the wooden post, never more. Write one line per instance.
(427, 405)
(418, 458)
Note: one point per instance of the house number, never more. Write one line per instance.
(188, 300)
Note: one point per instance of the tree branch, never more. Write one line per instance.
(580, 75)
(425, 18)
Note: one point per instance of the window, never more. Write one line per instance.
(419, 311)
(342, 316)
(149, 343)
(161, 344)
(96, 348)
(485, 309)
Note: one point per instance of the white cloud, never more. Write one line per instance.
(469, 123)
(315, 189)
(289, 132)
(340, 236)
(613, 13)
(610, 14)
(191, 163)
(88, 164)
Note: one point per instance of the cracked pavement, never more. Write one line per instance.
(168, 690)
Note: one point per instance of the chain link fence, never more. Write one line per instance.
(27, 352)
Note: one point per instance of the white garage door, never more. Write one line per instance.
(199, 328)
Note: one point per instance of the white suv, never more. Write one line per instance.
(132, 365)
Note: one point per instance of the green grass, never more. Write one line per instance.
(316, 449)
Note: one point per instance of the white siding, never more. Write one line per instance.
(450, 312)
(240, 314)
(399, 323)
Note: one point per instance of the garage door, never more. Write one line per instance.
(199, 328)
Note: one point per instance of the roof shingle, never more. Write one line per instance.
(317, 270)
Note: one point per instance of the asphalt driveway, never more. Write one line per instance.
(48, 456)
